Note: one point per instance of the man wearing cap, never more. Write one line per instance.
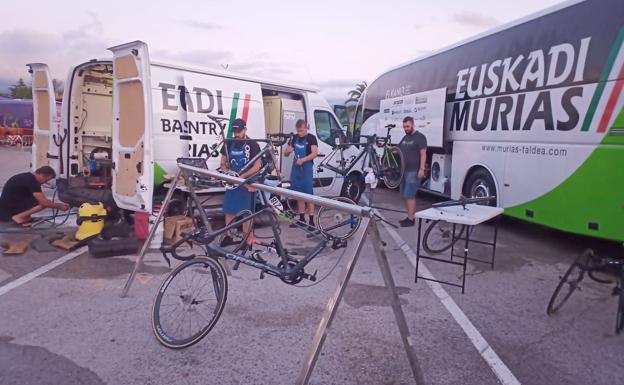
(235, 155)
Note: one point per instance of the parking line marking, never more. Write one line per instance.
(42, 270)
(502, 372)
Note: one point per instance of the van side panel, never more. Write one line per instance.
(190, 110)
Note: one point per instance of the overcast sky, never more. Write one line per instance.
(332, 44)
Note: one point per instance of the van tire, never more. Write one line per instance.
(480, 184)
(353, 187)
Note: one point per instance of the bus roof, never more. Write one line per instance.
(489, 32)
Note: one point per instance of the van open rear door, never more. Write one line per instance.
(133, 169)
(44, 152)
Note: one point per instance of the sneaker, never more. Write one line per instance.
(407, 222)
(227, 241)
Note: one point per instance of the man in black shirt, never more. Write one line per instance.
(305, 148)
(414, 149)
(21, 196)
(235, 155)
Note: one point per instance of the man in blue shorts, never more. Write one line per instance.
(235, 155)
(414, 149)
(305, 148)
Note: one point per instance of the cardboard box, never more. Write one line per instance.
(175, 226)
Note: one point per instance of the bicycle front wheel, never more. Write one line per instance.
(392, 167)
(569, 282)
(337, 223)
(438, 237)
(189, 302)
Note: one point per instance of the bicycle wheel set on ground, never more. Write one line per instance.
(438, 236)
(569, 282)
(392, 167)
(189, 302)
(337, 223)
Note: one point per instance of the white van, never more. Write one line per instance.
(125, 121)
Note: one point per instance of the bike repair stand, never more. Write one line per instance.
(368, 225)
(202, 215)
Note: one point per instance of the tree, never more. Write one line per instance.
(20, 90)
(356, 93)
(58, 88)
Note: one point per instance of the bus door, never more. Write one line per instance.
(45, 130)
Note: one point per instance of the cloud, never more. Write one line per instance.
(200, 57)
(19, 47)
(474, 19)
(207, 26)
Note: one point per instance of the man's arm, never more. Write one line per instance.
(224, 163)
(313, 154)
(423, 160)
(252, 170)
(288, 150)
(45, 202)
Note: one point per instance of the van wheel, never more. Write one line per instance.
(480, 184)
(353, 187)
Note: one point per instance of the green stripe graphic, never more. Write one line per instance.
(603, 79)
(233, 114)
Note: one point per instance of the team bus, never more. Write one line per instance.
(530, 112)
(16, 117)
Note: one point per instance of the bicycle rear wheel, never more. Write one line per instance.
(235, 239)
(569, 282)
(438, 237)
(392, 167)
(189, 302)
(337, 223)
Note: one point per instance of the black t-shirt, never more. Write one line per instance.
(410, 146)
(311, 142)
(251, 147)
(18, 188)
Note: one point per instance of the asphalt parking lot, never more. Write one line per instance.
(70, 326)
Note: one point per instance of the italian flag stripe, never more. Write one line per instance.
(233, 114)
(603, 79)
(246, 107)
(615, 94)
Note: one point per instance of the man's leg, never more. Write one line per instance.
(311, 213)
(410, 204)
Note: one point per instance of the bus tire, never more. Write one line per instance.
(353, 187)
(480, 184)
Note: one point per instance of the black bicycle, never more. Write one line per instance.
(191, 299)
(588, 263)
(439, 237)
(388, 167)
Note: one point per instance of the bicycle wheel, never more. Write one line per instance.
(189, 302)
(438, 236)
(619, 320)
(569, 282)
(235, 239)
(392, 167)
(337, 223)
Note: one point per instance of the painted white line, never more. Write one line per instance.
(505, 376)
(42, 270)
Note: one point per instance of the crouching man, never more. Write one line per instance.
(22, 197)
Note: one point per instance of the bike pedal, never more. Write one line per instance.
(236, 265)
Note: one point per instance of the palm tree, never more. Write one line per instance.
(356, 93)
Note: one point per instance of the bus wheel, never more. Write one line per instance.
(353, 187)
(480, 184)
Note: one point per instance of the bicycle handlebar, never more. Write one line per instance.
(463, 201)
